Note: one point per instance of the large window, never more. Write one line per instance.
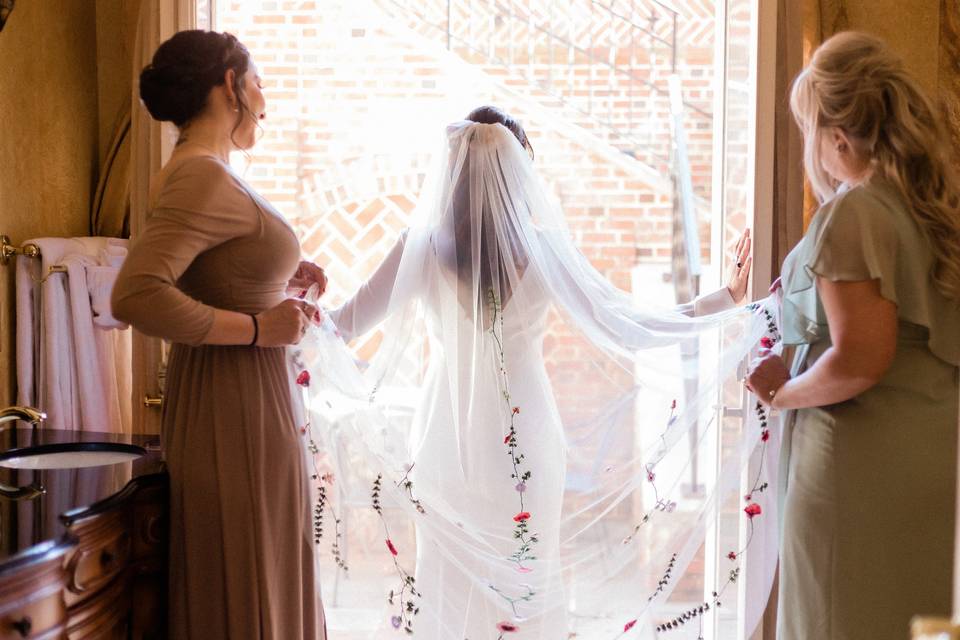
(643, 118)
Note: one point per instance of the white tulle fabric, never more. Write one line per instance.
(464, 302)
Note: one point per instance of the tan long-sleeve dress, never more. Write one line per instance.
(241, 553)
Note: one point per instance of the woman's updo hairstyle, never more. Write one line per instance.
(175, 85)
(495, 115)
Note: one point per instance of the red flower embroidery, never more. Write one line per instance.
(765, 435)
(753, 509)
(651, 476)
(506, 438)
(732, 555)
(629, 626)
(507, 627)
(520, 517)
(766, 342)
(302, 294)
(303, 430)
(304, 378)
(516, 410)
(748, 497)
(390, 546)
(673, 405)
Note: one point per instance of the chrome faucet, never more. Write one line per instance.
(34, 417)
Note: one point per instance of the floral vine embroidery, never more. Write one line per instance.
(752, 509)
(521, 530)
(405, 598)
(665, 580)
(406, 484)
(323, 480)
(660, 504)
(526, 597)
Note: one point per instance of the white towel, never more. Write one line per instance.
(80, 375)
(100, 281)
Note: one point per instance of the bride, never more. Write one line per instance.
(486, 260)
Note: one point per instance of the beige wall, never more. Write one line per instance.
(912, 28)
(58, 106)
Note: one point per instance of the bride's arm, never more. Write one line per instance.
(371, 303)
(735, 290)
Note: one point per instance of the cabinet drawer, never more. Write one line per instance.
(102, 554)
(32, 585)
(104, 615)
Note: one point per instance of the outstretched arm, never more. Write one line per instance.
(370, 305)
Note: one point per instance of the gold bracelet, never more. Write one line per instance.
(773, 394)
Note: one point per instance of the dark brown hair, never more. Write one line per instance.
(495, 115)
(176, 84)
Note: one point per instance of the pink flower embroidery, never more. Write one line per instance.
(522, 516)
(304, 378)
(651, 476)
(753, 509)
(673, 405)
(303, 430)
(390, 546)
(732, 555)
(629, 626)
(506, 438)
(748, 497)
(507, 627)
(765, 435)
(766, 342)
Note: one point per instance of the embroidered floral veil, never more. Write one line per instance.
(561, 450)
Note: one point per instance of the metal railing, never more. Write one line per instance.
(633, 43)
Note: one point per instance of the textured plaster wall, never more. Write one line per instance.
(48, 135)
(64, 75)
(911, 27)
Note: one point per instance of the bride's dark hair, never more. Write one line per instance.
(495, 115)
(493, 276)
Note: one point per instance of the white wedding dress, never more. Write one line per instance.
(487, 449)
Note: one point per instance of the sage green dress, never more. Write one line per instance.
(870, 483)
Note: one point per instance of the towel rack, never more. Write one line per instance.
(8, 250)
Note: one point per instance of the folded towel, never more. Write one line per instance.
(100, 281)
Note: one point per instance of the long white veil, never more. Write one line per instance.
(537, 426)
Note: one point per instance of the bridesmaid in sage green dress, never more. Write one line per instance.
(870, 301)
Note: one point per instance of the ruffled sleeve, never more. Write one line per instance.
(867, 233)
(858, 241)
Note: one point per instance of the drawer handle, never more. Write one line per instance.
(23, 626)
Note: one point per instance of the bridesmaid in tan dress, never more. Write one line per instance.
(870, 299)
(210, 273)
